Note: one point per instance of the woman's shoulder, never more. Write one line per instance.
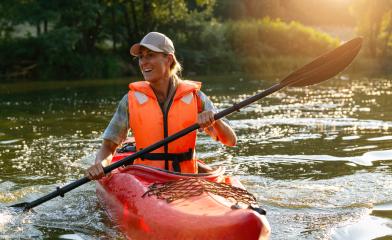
(124, 99)
(202, 95)
(188, 84)
(206, 102)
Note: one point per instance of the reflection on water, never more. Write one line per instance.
(377, 225)
(318, 159)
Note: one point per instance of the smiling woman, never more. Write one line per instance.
(162, 90)
(154, 109)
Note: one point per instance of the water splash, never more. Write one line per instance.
(368, 227)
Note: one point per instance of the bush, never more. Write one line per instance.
(268, 37)
(249, 46)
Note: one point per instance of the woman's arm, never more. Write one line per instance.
(222, 130)
(114, 134)
(103, 158)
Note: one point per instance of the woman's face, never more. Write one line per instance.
(154, 66)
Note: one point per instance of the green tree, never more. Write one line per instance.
(9, 10)
(374, 22)
(37, 13)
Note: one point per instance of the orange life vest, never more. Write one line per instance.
(149, 125)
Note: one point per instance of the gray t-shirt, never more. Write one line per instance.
(118, 128)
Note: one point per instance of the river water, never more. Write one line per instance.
(318, 158)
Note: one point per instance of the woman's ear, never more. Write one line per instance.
(170, 59)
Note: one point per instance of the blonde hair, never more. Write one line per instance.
(175, 69)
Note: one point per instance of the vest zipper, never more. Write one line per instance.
(166, 128)
(165, 124)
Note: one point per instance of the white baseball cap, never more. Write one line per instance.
(154, 41)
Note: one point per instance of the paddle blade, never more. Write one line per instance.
(325, 66)
(23, 205)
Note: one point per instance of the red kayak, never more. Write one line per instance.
(151, 203)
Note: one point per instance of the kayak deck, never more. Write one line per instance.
(206, 216)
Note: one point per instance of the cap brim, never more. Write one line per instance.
(135, 49)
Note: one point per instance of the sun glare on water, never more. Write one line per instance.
(4, 219)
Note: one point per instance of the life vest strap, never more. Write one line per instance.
(169, 156)
(176, 158)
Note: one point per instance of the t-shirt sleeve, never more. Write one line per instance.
(118, 127)
(208, 105)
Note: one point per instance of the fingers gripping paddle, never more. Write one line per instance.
(320, 69)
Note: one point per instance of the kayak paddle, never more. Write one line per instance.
(320, 69)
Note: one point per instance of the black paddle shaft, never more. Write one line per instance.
(60, 191)
(320, 69)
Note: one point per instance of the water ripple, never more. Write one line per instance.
(331, 122)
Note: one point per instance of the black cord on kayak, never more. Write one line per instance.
(258, 209)
(191, 187)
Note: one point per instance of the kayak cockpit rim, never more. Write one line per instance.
(219, 171)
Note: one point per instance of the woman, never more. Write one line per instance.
(161, 105)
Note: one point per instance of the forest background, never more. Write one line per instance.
(84, 39)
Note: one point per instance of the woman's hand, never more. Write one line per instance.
(103, 159)
(220, 131)
(95, 172)
(205, 119)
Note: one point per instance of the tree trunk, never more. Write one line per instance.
(45, 26)
(38, 26)
(373, 35)
(127, 24)
(134, 19)
(91, 35)
(388, 37)
(147, 14)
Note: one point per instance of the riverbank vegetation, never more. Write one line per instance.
(79, 39)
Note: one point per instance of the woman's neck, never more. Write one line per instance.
(161, 88)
